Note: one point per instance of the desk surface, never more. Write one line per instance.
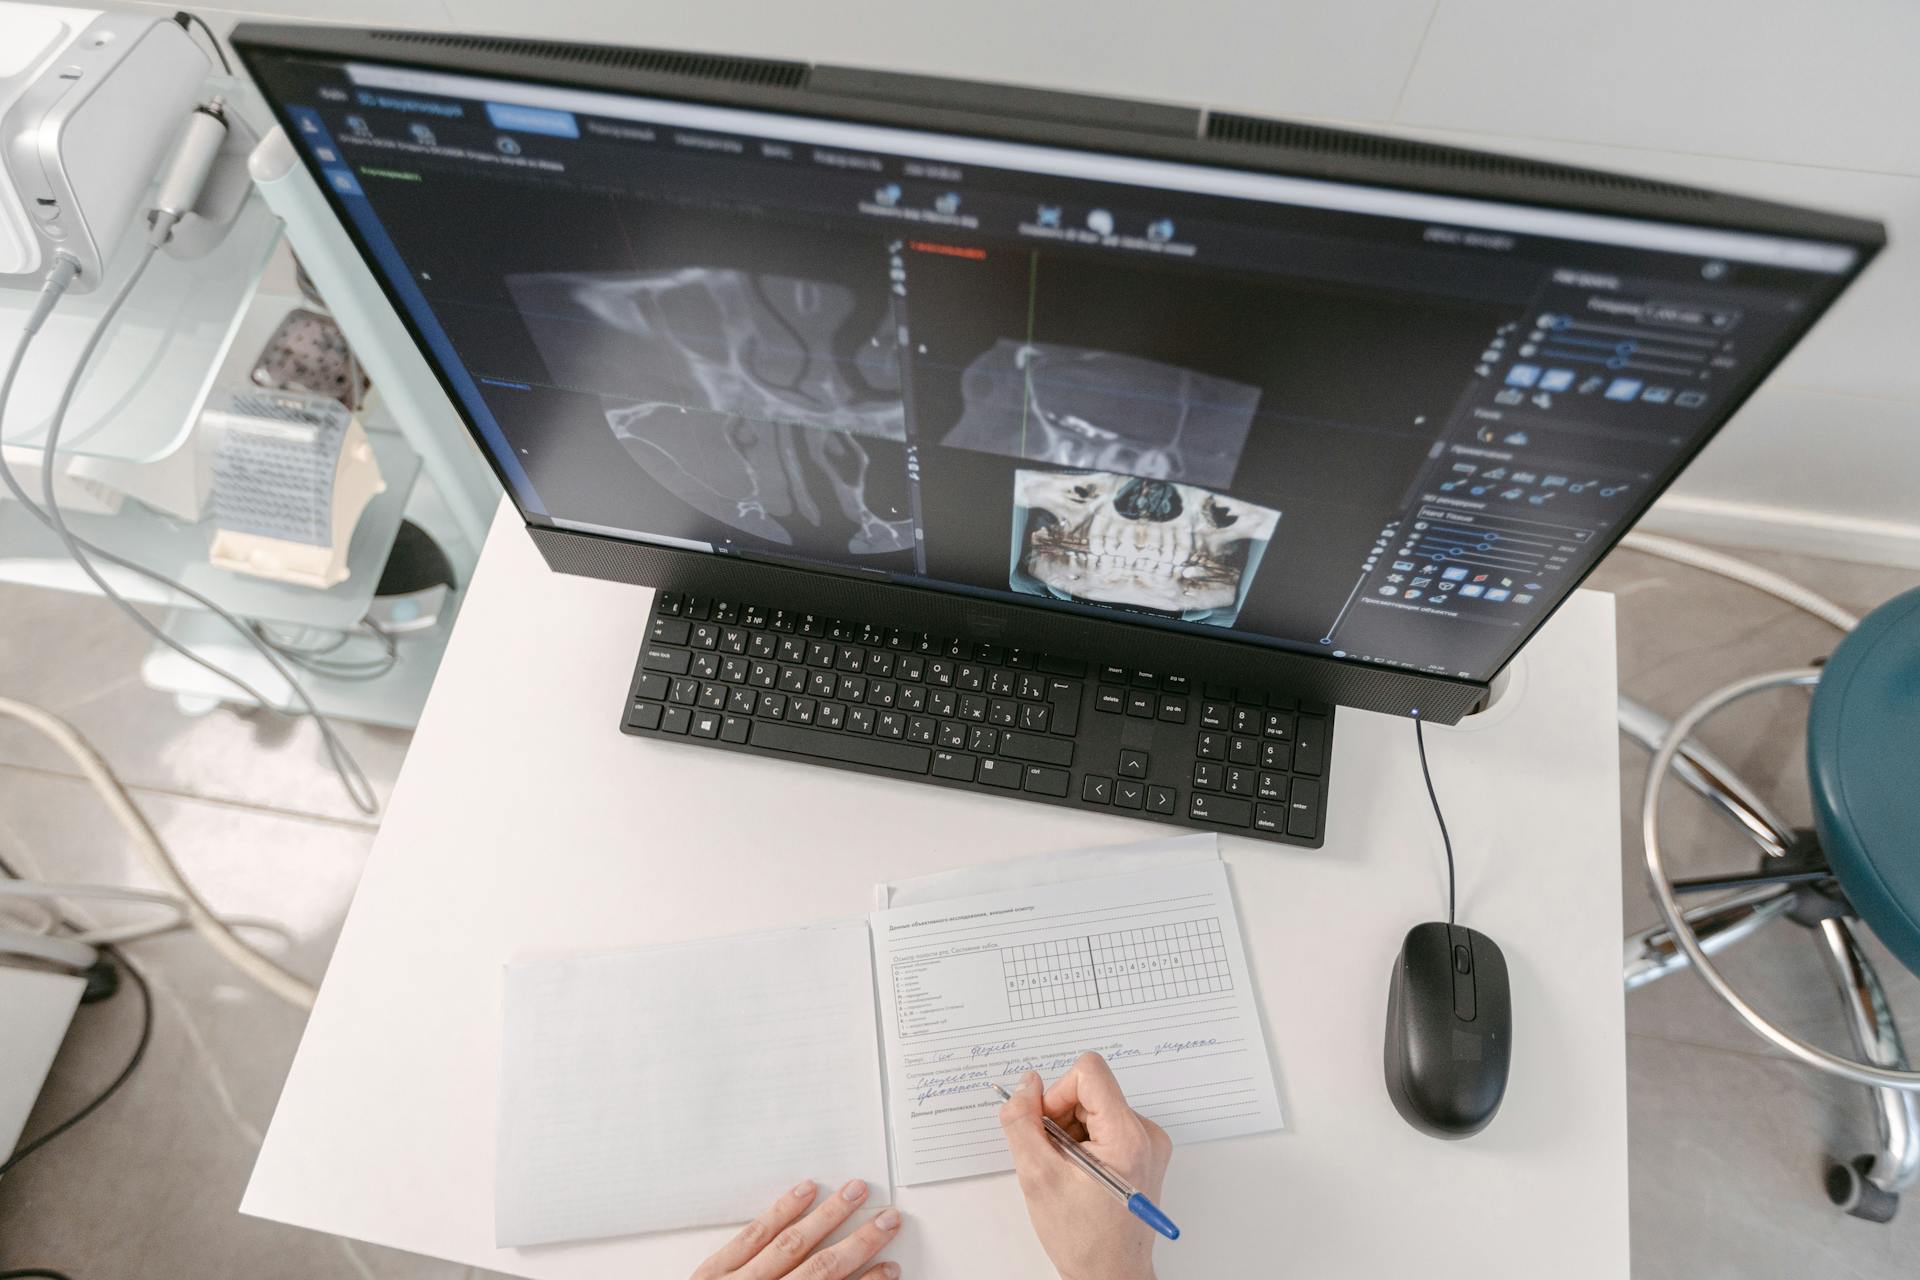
(524, 823)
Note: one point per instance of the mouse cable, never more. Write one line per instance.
(1419, 736)
(34, 1273)
(188, 19)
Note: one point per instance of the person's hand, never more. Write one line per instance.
(1088, 1233)
(780, 1242)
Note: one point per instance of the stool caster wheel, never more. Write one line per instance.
(1848, 1188)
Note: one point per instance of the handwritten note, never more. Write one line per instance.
(1146, 969)
(684, 1085)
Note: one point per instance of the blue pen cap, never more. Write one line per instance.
(1148, 1212)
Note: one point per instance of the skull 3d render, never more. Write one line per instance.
(1105, 538)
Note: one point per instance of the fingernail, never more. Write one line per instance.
(854, 1190)
(891, 1270)
(889, 1219)
(1031, 1080)
(804, 1191)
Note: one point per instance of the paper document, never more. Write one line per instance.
(1146, 969)
(686, 1085)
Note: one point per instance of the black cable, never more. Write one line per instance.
(139, 1052)
(186, 16)
(35, 1273)
(1420, 737)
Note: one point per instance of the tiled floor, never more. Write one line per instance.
(1728, 1139)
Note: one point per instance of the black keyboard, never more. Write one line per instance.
(955, 713)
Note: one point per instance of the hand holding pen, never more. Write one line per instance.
(1085, 1225)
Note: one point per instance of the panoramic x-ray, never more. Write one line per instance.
(758, 399)
(1147, 544)
(1073, 407)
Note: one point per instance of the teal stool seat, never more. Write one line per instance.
(1863, 757)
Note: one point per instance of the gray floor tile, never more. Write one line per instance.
(1727, 1151)
(79, 658)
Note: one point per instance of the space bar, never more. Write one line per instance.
(835, 746)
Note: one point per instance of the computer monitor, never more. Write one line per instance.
(1276, 405)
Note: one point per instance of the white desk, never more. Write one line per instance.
(525, 823)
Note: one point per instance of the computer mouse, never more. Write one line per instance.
(1449, 1030)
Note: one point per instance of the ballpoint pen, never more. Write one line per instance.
(1137, 1203)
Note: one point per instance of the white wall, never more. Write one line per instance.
(1812, 103)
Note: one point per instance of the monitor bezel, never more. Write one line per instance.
(1079, 122)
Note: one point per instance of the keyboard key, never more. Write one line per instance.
(859, 719)
(970, 677)
(1303, 809)
(1000, 773)
(879, 662)
(670, 630)
(901, 756)
(1244, 751)
(913, 697)
(1118, 675)
(948, 764)
(1019, 659)
(890, 724)
(1140, 703)
(743, 702)
(1004, 712)
(850, 658)
(725, 611)
(685, 691)
(1038, 750)
(1207, 776)
(822, 684)
(644, 715)
(940, 672)
(1272, 786)
(943, 703)
(792, 649)
(1031, 687)
(705, 636)
(983, 740)
(773, 706)
(1221, 809)
(793, 680)
(1211, 746)
(1239, 781)
(1276, 755)
(882, 693)
(1248, 720)
(800, 710)
(1173, 708)
(1064, 697)
(733, 670)
(706, 666)
(973, 707)
(1053, 665)
(1215, 715)
(706, 724)
(1313, 708)
(672, 661)
(1046, 782)
(713, 696)
(1310, 745)
(1270, 817)
(1144, 680)
(852, 688)
(1128, 794)
(1035, 716)
(675, 720)
(652, 685)
(820, 654)
(831, 715)
(1279, 724)
(911, 667)
(1177, 684)
(1097, 790)
(1133, 764)
(734, 640)
(1109, 698)
(698, 608)
(763, 675)
(1001, 683)
(1162, 799)
(920, 729)
(667, 604)
(735, 729)
(763, 644)
(952, 734)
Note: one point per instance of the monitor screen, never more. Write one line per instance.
(1373, 424)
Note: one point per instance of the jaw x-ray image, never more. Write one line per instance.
(763, 401)
(1103, 411)
(1103, 538)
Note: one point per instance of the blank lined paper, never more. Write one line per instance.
(686, 1085)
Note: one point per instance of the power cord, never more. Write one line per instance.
(189, 19)
(1419, 736)
(177, 193)
(120, 961)
(35, 1273)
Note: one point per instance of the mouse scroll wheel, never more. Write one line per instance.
(1462, 960)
